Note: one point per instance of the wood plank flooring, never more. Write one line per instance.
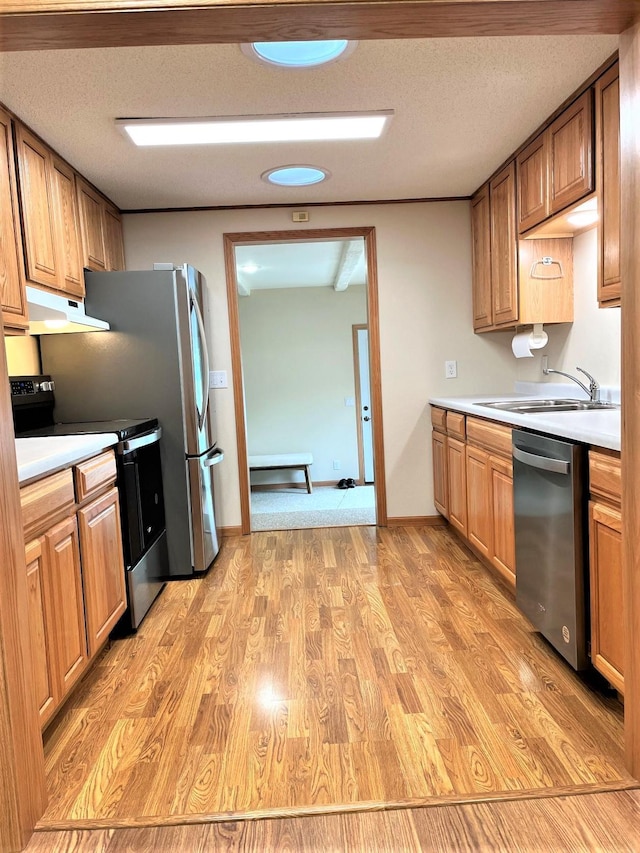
(327, 668)
(602, 822)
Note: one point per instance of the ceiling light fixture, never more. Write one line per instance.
(298, 54)
(249, 267)
(582, 218)
(295, 176)
(288, 127)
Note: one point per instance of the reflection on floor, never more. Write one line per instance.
(317, 669)
(294, 509)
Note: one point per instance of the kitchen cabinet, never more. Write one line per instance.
(440, 473)
(41, 632)
(556, 169)
(101, 230)
(37, 205)
(607, 95)
(12, 295)
(71, 277)
(514, 282)
(75, 573)
(481, 259)
(102, 567)
(605, 565)
(479, 477)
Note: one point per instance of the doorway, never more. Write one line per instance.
(252, 444)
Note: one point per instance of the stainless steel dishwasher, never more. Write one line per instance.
(551, 572)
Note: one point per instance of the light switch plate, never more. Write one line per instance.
(218, 379)
(349, 401)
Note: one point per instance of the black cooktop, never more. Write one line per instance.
(123, 427)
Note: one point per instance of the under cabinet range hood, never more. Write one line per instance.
(54, 314)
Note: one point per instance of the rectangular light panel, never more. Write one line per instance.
(238, 129)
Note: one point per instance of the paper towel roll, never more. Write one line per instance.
(524, 342)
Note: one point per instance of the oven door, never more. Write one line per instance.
(143, 510)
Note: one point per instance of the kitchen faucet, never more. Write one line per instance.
(594, 388)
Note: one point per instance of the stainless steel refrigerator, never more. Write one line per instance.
(153, 363)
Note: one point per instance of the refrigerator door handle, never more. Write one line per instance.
(214, 458)
(202, 416)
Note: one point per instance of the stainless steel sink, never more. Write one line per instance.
(531, 407)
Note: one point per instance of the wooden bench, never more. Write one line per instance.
(280, 461)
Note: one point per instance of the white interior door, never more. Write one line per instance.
(365, 403)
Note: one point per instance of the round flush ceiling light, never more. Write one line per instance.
(295, 176)
(298, 54)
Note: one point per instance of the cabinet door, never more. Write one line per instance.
(71, 278)
(102, 567)
(605, 551)
(65, 593)
(504, 247)
(571, 154)
(40, 624)
(456, 465)
(479, 523)
(533, 184)
(12, 297)
(608, 182)
(503, 551)
(440, 473)
(91, 207)
(481, 259)
(36, 198)
(114, 244)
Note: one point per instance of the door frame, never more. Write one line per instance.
(357, 327)
(232, 240)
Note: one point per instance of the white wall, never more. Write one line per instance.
(593, 340)
(297, 362)
(424, 275)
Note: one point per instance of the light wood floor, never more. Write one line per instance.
(324, 668)
(594, 822)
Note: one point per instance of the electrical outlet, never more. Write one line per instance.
(450, 369)
(218, 379)
(336, 464)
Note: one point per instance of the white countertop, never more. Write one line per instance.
(599, 428)
(39, 456)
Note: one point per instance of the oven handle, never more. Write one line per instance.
(213, 458)
(132, 444)
(557, 466)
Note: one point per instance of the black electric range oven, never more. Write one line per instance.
(139, 480)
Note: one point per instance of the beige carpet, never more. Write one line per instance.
(326, 506)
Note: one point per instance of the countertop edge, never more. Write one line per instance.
(570, 425)
(69, 452)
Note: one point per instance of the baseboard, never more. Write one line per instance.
(416, 521)
(230, 531)
(300, 484)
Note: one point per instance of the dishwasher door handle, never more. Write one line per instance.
(557, 466)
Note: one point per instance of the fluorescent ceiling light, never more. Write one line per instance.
(289, 127)
(295, 176)
(298, 54)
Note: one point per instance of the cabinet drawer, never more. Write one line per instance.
(45, 501)
(456, 424)
(605, 476)
(94, 474)
(439, 418)
(493, 436)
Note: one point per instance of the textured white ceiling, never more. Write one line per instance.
(299, 264)
(462, 106)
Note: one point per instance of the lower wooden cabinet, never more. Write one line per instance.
(456, 464)
(41, 630)
(102, 567)
(607, 635)
(503, 541)
(440, 473)
(479, 521)
(62, 560)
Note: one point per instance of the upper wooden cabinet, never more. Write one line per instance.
(35, 166)
(71, 278)
(12, 297)
(556, 169)
(504, 247)
(481, 258)
(607, 92)
(101, 230)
